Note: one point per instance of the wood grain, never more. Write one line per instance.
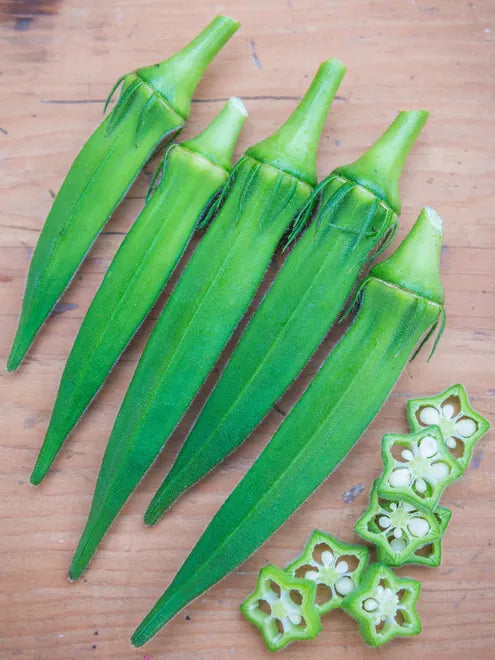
(58, 60)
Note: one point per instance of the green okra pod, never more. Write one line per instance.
(153, 106)
(357, 212)
(191, 174)
(267, 188)
(400, 305)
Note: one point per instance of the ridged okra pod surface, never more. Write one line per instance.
(191, 174)
(153, 106)
(336, 408)
(304, 300)
(255, 208)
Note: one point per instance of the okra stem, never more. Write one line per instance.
(377, 168)
(317, 434)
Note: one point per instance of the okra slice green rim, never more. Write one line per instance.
(334, 566)
(396, 527)
(396, 311)
(460, 424)
(384, 606)
(282, 607)
(189, 175)
(417, 467)
(153, 105)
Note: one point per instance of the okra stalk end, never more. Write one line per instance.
(217, 141)
(415, 265)
(177, 77)
(292, 148)
(379, 169)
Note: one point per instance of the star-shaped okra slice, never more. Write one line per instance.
(384, 605)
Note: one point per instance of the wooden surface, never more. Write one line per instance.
(58, 60)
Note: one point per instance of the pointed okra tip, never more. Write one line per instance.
(217, 141)
(415, 265)
(177, 77)
(379, 169)
(293, 147)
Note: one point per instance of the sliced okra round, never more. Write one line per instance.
(461, 426)
(282, 607)
(397, 528)
(335, 567)
(384, 605)
(417, 467)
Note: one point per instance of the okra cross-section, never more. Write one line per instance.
(384, 606)
(459, 423)
(283, 608)
(334, 566)
(396, 527)
(417, 467)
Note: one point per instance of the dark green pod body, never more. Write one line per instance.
(338, 405)
(219, 282)
(298, 310)
(140, 269)
(147, 114)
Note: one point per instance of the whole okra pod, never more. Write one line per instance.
(401, 304)
(191, 173)
(357, 212)
(153, 106)
(266, 189)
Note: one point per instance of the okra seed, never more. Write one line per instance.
(428, 446)
(465, 427)
(342, 567)
(295, 619)
(448, 410)
(398, 545)
(344, 585)
(398, 532)
(440, 470)
(326, 557)
(384, 522)
(312, 575)
(399, 477)
(370, 604)
(421, 485)
(419, 527)
(407, 454)
(429, 416)
(451, 442)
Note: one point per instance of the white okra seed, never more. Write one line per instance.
(451, 443)
(384, 522)
(370, 604)
(418, 527)
(399, 477)
(407, 454)
(440, 470)
(448, 410)
(344, 585)
(421, 485)
(465, 427)
(342, 567)
(428, 446)
(398, 545)
(429, 416)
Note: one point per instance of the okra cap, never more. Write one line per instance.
(177, 77)
(415, 265)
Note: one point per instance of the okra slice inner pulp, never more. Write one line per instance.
(153, 106)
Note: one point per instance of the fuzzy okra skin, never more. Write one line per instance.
(401, 302)
(191, 175)
(153, 106)
(219, 282)
(303, 302)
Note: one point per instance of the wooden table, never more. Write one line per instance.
(58, 61)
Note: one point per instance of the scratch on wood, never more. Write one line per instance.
(279, 410)
(350, 495)
(254, 55)
(2, 130)
(60, 308)
(477, 458)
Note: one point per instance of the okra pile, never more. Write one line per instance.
(243, 212)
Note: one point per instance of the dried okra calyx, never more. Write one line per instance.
(461, 426)
(417, 467)
(397, 528)
(282, 607)
(384, 606)
(335, 567)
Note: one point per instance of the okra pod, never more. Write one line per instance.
(153, 106)
(191, 173)
(266, 189)
(401, 302)
(358, 211)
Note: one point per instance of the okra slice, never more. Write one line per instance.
(417, 467)
(334, 566)
(396, 527)
(460, 424)
(282, 607)
(384, 605)
(427, 554)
